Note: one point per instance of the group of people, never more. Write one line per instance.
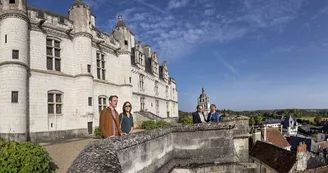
(199, 116)
(113, 124)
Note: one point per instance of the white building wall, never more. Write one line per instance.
(13, 77)
(75, 54)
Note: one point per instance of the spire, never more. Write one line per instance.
(120, 22)
(203, 91)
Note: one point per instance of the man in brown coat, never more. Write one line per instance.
(109, 120)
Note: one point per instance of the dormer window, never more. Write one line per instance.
(12, 2)
(40, 14)
(62, 20)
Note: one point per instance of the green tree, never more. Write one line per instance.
(251, 121)
(318, 119)
(258, 119)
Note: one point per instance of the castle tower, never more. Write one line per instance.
(14, 67)
(204, 100)
(126, 39)
(80, 14)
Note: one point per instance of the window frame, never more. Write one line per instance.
(54, 58)
(14, 99)
(103, 105)
(101, 66)
(15, 54)
(54, 102)
(141, 81)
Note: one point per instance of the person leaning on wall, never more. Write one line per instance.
(198, 116)
(213, 116)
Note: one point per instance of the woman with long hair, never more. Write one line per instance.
(126, 118)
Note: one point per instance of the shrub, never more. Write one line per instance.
(187, 120)
(24, 157)
(148, 125)
(98, 133)
(163, 124)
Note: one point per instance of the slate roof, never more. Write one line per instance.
(51, 13)
(273, 121)
(289, 122)
(277, 158)
(274, 137)
(294, 141)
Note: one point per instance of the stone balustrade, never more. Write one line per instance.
(216, 147)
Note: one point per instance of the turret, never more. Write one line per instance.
(80, 14)
(123, 34)
(126, 39)
(14, 66)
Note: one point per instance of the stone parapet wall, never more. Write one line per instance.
(163, 150)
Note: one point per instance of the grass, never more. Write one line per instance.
(311, 119)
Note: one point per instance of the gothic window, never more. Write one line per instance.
(12, 2)
(6, 38)
(55, 102)
(167, 91)
(126, 42)
(156, 88)
(101, 71)
(53, 55)
(142, 103)
(102, 103)
(141, 81)
(14, 97)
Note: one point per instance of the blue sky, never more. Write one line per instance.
(247, 54)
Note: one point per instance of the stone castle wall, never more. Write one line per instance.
(219, 146)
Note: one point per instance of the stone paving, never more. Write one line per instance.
(64, 152)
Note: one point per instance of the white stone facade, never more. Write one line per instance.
(66, 69)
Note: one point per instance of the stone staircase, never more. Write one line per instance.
(150, 115)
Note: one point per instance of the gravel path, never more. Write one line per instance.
(64, 153)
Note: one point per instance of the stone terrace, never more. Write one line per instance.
(215, 147)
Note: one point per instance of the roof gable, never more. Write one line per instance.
(274, 137)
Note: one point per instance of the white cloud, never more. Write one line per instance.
(209, 12)
(175, 35)
(177, 4)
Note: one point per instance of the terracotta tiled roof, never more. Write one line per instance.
(323, 169)
(277, 158)
(274, 137)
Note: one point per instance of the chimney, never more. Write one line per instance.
(264, 133)
(301, 157)
(256, 136)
